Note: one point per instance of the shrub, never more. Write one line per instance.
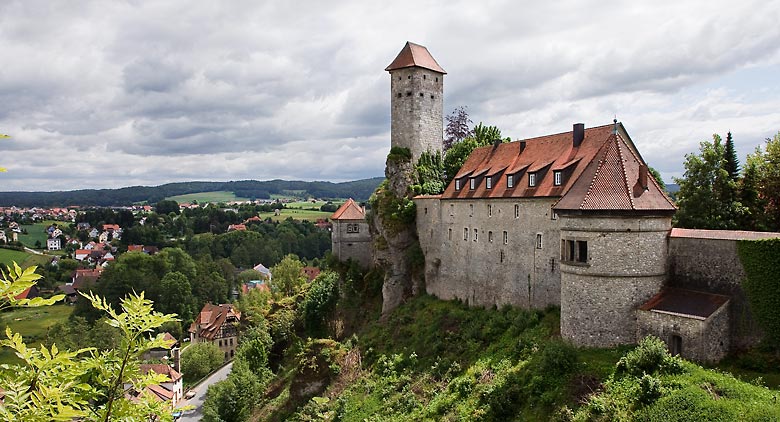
(649, 357)
(199, 360)
(319, 303)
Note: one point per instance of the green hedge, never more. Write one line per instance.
(761, 261)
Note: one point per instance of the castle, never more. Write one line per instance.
(573, 220)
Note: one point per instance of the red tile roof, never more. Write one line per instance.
(310, 272)
(160, 368)
(415, 55)
(723, 234)
(686, 303)
(349, 211)
(211, 318)
(598, 174)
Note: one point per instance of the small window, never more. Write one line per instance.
(353, 228)
(557, 176)
(489, 182)
(449, 234)
(538, 241)
(457, 184)
(476, 233)
(531, 179)
(510, 181)
(471, 210)
(452, 209)
(409, 77)
(465, 233)
(490, 210)
(506, 237)
(501, 254)
(490, 236)
(425, 76)
(400, 95)
(426, 210)
(574, 251)
(421, 94)
(582, 251)
(472, 183)
(553, 214)
(220, 343)
(437, 79)
(431, 96)
(517, 211)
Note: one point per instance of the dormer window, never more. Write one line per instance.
(557, 178)
(457, 184)
(489, 182)
(531, 179)
(510, 181)
(472, 183)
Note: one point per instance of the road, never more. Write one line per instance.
(200, 395)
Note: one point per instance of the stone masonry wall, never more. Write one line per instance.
(712, 265)
(416, 110)
(346, 245)
(626, 266)
(703, 341)
(468, 257)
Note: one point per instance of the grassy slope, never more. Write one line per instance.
(433, 360)
(32, 324)
(9, 255)
(203, 197)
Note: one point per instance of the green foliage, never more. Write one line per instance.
(254, 347)
(198, 360)
(657, 177)
(761, 261)
(396, 213)
(52, 384)
(761, 185)
(232, 399)
(319, 303)
(708, 196)
(429, 174)
(14, 280)
(166, 207)
(732, 162)
(399, 154)
(458, 153)
(650, 357)
(288, 276)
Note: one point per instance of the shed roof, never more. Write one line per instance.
(723, 234)
(685, 303)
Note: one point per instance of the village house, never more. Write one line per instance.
(350, 237)
(217, 324)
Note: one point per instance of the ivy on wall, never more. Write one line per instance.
(761, 261)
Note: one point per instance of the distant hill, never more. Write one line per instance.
(359, 190)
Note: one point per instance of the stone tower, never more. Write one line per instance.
(417, 88)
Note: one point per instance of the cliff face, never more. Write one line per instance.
(395, 233)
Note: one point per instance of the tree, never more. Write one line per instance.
(732, 162)
(287, 275)
(232, 399)
(198, 360)
(320, 302)
(707, 198)
(761, 185)
(657, 177)
(176, 295)
(166, 206)
(458, 127)
(456, 156)
(53, 384)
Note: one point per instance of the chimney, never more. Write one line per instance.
(579, 134)
(641, 183)
(176, 354)
(497, 142)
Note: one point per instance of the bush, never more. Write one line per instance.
(319, 303)
(199, 360)
(649, 357)
(558, 359)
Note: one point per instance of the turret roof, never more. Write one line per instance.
(415, 55)
(349, 211)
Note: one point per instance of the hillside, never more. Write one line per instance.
(252, 189)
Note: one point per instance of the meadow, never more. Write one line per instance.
(32, 324)
(203, 197)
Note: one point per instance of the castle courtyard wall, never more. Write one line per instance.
(713, 265)
(468, 256)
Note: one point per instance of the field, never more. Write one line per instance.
(296, 214)
(36, 232)
(203, 197)
(32, 324)
(9, 255)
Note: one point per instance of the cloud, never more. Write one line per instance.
(115, 93)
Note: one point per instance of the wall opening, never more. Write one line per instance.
(676, 345)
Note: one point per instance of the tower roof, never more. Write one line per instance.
(415, 55)
(349, 211)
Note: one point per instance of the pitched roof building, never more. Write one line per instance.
(350, 238)
(217, 324)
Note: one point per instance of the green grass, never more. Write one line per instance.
(204, 197)
(9, 255)
(32, 324)
(36, 232)
(296, 214)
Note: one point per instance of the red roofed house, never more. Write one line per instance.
(217, 324)
(350, 238)
(171, 390)
(236, 227)
(310, 272)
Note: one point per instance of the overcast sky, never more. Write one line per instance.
(106, 94)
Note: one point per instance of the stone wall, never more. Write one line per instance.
(713, 265)
(416, 110)
(626, 266)
(346, 243)
(702, 340)
(469, 258)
